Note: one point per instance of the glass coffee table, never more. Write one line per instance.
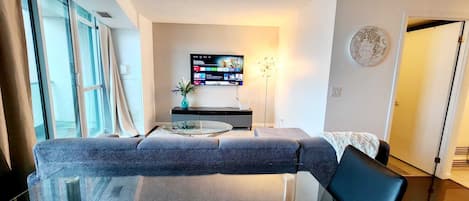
(300, 186)
(197, 128)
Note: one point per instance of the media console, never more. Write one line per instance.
(236, 117)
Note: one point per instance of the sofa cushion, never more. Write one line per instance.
(185, 143)
(318, 157)
(294, 133)
(258, 155)
(183, 155)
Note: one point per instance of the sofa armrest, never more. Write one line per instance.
(32, 179)
(318, 157)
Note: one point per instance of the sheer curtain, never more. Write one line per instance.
(119, 120)
(16, 122)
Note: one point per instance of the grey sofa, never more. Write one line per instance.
(184, 156)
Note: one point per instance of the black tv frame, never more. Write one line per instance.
(222, 55)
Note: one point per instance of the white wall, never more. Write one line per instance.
(463, 129)
(145, 47)
(174, 43)
(305, 49)
(422, 94)
(128, 8)
(366, 100)
(366, 94)
(145, 28)
(127, 47)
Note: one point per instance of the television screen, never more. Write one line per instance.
(209, 69)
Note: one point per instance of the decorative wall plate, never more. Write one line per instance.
(369, 46)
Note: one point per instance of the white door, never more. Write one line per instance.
(423, 89)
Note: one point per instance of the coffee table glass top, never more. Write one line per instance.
(195, 127)
(216, 187)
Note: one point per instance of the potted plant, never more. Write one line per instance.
(184, 87)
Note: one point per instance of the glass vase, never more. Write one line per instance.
(184, 102)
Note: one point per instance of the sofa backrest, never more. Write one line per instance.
(176, 155)
(165, 155)
(83, 156)
(258, 155)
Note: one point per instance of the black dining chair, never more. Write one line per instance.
(361, 178)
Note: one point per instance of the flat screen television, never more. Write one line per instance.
(216, 69)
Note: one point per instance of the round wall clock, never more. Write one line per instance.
(369, 46)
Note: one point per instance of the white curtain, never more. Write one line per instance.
(119, 120)
(17, 136)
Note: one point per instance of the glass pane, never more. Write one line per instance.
(94, 112)
(83, 13)
(87, 55)
(38, 114)
(90, 71)
(56, 27)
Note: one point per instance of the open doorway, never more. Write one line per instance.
(424, 84)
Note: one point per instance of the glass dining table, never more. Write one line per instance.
(300, 186)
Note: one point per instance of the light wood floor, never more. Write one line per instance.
(404, 168)
(419, 183)
(461, 176)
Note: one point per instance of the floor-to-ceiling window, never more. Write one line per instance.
(70, 100)
(59, 55)
(35, 84)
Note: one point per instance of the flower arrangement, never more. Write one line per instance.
(184, 87)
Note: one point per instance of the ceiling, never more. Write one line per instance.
(229, 12)
(118, 20)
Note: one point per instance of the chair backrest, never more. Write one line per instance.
(383, 153)
(359, 177)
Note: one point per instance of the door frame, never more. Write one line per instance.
(78, 80)
(42, 68)
(81, 88)
(449, 138)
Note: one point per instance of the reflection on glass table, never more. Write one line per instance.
(216, 187)
(197, 128)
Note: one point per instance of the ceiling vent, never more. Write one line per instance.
(103, 14)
